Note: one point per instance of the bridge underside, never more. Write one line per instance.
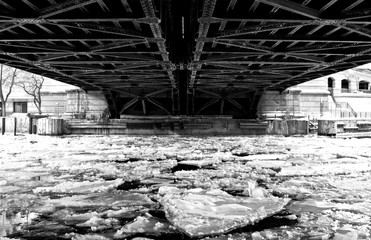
(173, 57)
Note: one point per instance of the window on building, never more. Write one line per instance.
(344, 85)
(20, 107)
(363, 85)
(330, 82)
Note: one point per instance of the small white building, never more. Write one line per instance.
(58, 99)
(53, 99)
(345, 94)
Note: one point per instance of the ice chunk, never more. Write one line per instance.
(311, 205)
(76, 236)
(97, 223)
(325, 169)
(199, 213)
(146, 224)
(81, 187)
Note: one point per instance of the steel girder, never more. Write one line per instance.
(132, 47)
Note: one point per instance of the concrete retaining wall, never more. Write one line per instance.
(163, 126)
(187, 126)
(88, 105)
(288, 127)
(333, 127)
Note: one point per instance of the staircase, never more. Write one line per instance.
(344, 107)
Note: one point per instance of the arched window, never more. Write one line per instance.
(363, 85)
(345, 85)
(330, 82)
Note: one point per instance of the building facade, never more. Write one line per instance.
(345, 94)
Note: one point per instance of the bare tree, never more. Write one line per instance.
(32, 85)
(7, 80)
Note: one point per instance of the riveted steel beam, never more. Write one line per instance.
(48, 68)
(293, 7)
(205, 21)
(64, 7)
(149, 11)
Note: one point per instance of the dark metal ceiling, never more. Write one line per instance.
(185, 50)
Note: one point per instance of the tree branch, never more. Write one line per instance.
(14, 74)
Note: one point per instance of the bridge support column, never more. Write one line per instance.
(275, 104)
(82, 104)
(183, 93)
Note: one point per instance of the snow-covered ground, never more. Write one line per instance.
(173, 187)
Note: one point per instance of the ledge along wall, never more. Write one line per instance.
(155, 126)
(344, 127)
(187, 126)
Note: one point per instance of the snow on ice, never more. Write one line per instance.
(174, 187)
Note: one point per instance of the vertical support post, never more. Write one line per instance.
(172, 102)
(2, 125)
(187, 101)
(144, 107)
(222, 107)
(29, 124)
(78, 102)
(15, 127)
(178, 102)
(293, 106)
(193, 101)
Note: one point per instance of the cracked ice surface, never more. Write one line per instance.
(172, 187)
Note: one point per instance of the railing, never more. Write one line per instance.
(364, 115)
(345, 105)
(343, 108)
(333, 98)
(338, 113)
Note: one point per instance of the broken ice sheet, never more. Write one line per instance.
(325, 169)
(81, 187)
(72, 217)
(108, 200)
(297, 187)
(235, 236)
(311, 205)
(69, 217)
(42, 230)
(205, 162)
(200, 213)
(97, 223)
(76, 236)
(147, 224)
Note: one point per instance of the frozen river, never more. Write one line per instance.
(173, 187)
